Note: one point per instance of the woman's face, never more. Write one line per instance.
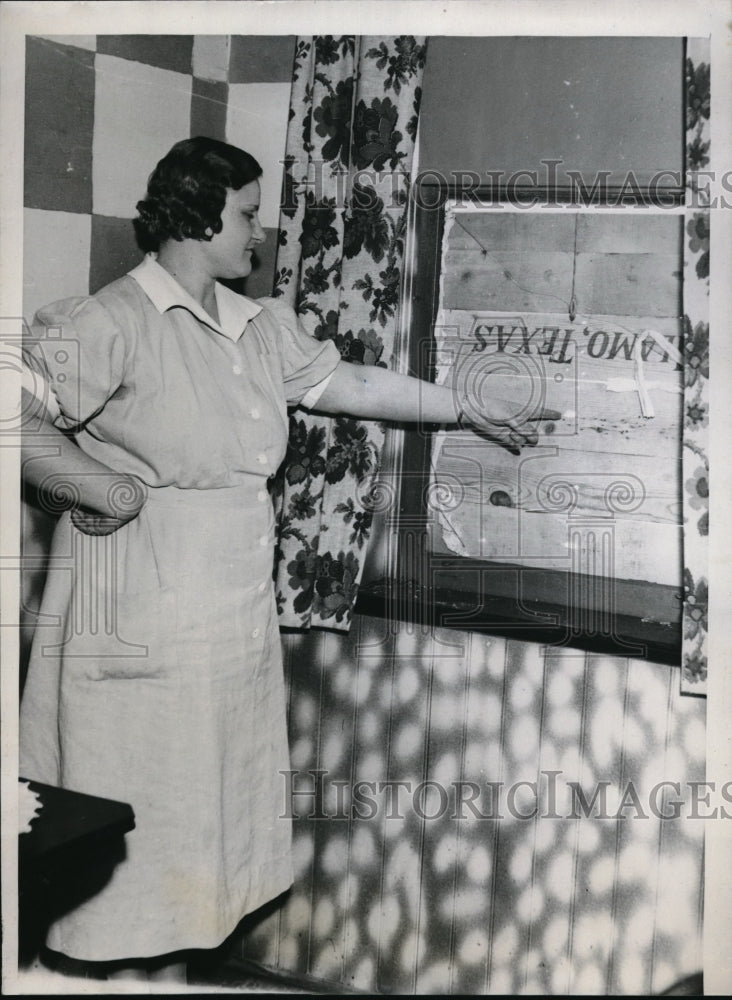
(229, 252)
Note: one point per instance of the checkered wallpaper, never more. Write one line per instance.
(102, 110)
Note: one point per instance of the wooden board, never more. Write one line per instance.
(601, 492)
(622, 264)
(603, 464)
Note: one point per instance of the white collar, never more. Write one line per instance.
(165, 293)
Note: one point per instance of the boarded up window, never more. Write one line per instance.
(580, 312)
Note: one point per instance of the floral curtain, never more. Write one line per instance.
(353, 120)
(696, 371)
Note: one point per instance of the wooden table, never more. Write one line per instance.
(69, 853)
(71, 822)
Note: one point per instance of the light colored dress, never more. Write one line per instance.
(159, 680)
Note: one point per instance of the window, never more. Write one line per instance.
(575, 306)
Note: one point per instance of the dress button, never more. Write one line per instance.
(236, 370)
(255, 414)
(255, 633)
(262, 496)
(262, 458)
(262, 586)
(263, 540)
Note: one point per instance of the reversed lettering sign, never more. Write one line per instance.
(600, 493)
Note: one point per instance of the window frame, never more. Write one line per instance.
(548, 606)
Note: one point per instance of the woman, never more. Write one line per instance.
(168, 416)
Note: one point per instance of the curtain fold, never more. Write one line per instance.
(695, 460)
(354, 111)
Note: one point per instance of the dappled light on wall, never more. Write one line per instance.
(476, 815)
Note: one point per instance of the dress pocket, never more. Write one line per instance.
(138, 641)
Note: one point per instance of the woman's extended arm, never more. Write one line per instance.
(100, 499)
(378, 394)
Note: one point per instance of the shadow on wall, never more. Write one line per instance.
(402, 887)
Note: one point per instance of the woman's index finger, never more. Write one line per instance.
(547, 414)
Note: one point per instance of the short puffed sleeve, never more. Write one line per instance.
(307, 363)
(79, 350)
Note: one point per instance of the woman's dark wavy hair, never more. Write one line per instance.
(186, 191)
